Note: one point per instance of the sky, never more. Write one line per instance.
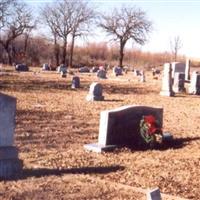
(170, 18)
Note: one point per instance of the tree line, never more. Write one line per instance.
(64, 22)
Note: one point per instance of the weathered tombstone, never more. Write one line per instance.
(177, 67)
(101, 74)
(21, 68)
(45, 67)
(84, 69)
(121, 127)
(142, 77)
(117, 71)
(187, 70)
(167, 81)
(137, 72)
(94, 69)
(125, 69)
(195, 83)
(10, 164)
(63, 74)
(62, 68)
(95, 92)
(153, 194)
(179, 80)
(75, 82)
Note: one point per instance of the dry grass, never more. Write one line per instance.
(54, 122)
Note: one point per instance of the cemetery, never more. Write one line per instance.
(55, 133)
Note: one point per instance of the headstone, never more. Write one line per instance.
(177, 67)
(125, 69)
(63, 74)
(10, 165)
(101, 74)
(95, 92)
(84, 69)
(155, 71)
(45, 67)
(194, 87)
(179, 80)
(187, 70)
(166, 89)
(75, 82)
(62, 68)
(142, 77)
(21, 68)
(137, 72)
(117, 71)
(153, 194)
(94, 69)
(121, 127)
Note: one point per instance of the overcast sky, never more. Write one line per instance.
(170, 18)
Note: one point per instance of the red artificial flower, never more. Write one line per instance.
(150, 119)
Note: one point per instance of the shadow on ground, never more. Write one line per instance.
(176, 143)
(41, 172)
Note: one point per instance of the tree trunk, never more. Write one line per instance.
(9, 56)
(57, 54)
(64, 52)
(56, 51)
(26, 37)
(121, 53)
(71, 52)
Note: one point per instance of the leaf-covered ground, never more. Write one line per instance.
(53, 122)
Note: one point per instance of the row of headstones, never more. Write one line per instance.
(101, 71)
(174, 77)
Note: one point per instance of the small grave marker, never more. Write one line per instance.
(75, 82)
(154, 194)
(95, 92)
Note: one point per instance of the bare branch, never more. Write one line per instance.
(127, 23)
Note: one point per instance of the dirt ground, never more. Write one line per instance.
(53, 122)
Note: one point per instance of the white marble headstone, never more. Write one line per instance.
(166, 89)
(95, 92)
(195, 83)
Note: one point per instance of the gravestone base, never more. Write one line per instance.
(94, 98)
(10, 168)
(98, 148)
(178, 90)
(10, 164)
(167, 93)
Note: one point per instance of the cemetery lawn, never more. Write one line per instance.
(53, 122)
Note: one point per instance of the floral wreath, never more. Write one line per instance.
(149, 127)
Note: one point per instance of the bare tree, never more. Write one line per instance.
(4, 10)
(62, 13)
(49, 17)
(14, 24)
(124, 24)
(81, 20)
(176, 45)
